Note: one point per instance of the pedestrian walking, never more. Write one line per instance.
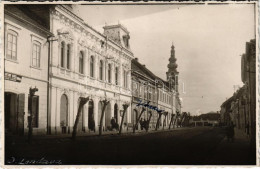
(230, 132)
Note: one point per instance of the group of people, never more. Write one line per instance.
(144, 124)
(114, 124)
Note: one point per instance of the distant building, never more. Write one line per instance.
(147, 87)
(144, 90)
(248, 76)
(225, 117)
(240, 109)
(209, 119)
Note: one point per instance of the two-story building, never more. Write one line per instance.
(86, 63)
(25, 67)
(144, 90)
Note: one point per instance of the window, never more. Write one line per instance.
(62, 60)
(68, 56)
(125, 78)
(92, 66)
(11, 46)
(101, 70)
(109, 73)
(33, 105)
(135, 88)
(145, 92)
(149, 93)
(116, 76)
(36, 54)
(142, 91)
(81, 62)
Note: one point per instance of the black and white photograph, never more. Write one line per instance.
(129, 84)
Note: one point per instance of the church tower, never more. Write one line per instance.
(172, 74)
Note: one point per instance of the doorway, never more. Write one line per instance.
(14, 113)
(91, 121)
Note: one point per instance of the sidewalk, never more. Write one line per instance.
(237, 152)
(59, 138)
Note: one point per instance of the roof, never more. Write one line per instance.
(35, 15)
(228, 101)
(138, 67)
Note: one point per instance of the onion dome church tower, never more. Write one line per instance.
(172, 74)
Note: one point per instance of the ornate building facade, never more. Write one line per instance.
(86, 63)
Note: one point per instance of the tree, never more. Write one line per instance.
(148, 122)
(125, 106)
(158, 120)
(104, 103)
(139, 117)
(184, 118)
(82, 102)
(164, 121)
(176, 118)
(172, 116)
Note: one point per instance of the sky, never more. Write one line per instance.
(209, 41)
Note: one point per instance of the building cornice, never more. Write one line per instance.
(82, 26)
(44, 30)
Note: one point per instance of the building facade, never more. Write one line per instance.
(49, 48)
(144, 90)
(240, 109)
(86, 63)
(25, 67)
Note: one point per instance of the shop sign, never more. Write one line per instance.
(13, 77)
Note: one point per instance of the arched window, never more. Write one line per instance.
(62, 60)
(64, 113)
(101, 70)
(81, 62)
(92, 66)
(109, 73)
(68, 56)
(11, 46)
(116, 76)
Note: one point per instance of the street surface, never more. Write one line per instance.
(185, 146)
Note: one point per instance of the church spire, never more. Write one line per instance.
(172, 74)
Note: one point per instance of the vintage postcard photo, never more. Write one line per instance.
(129, 83)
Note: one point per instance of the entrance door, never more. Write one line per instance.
(91, 122)
(108, 116)
(64, 113)
(115, 113)
(81, 123)
(14, 113)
